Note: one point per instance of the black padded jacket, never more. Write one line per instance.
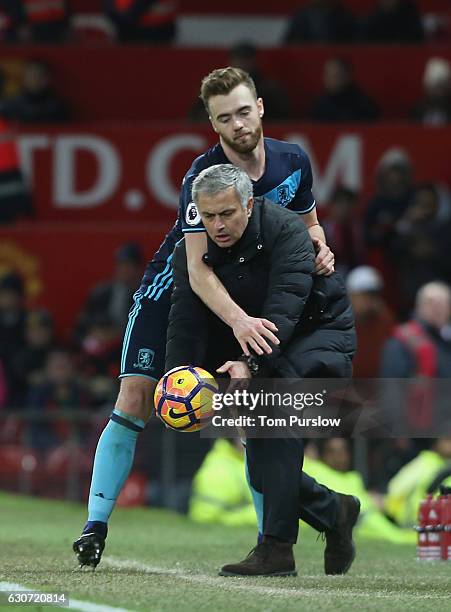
(269, 273)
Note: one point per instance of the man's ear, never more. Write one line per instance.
(250, 206)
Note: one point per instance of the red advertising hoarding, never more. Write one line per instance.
(133, 174)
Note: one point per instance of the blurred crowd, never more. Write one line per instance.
(42, 374)
(53, 21)
(155, 22)
(342, 99)
(327, 22)
(30, 95)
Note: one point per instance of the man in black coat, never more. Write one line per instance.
(264, 256)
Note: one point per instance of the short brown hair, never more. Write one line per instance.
(221, 81)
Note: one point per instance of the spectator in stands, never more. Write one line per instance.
(58, 396)
(420, 244)
(244, 56)
(374, 321)
(342, 98)
(12, 323)
(100, 358)
(37, 103)
(417, 348)
(15, 199)
(343, 230)
(394, 190)
(143, 21)
(435, 106)
(394, 21)
(14, 30)
(40, 21)
(113, 298)
(29, 362)
(321, 21)
(220, 493)
(332, 467)
(409, 486)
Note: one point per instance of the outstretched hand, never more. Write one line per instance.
(253, 333)
(239, 373)
(235, 369)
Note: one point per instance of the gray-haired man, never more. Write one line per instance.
(264, 257)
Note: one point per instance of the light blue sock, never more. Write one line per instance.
(258, 502)
(112, 463)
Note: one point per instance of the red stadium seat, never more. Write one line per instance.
(91, 29)
(60, 461)
(15, 459)
(19, 469)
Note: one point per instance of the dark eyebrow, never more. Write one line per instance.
(242, 108)
(221, 212)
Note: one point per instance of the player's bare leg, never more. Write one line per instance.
(112, 463)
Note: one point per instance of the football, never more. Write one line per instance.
(184, 398)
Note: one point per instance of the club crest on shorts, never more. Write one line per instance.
(145, 359)
(283, 195)
(192, 214)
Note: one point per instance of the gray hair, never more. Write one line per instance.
(218, 178)
(434, 290)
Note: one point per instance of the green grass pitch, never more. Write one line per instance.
(159, 561)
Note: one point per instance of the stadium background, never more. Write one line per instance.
(110, 174)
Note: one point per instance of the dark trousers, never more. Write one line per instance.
(275, 470)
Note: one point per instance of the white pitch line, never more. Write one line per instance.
(74, 604)
(229, 583)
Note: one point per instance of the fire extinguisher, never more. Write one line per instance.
(423, 552)
(434, 522)
(445, 517)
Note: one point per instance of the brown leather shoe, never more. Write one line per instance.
(340, 549)
(266, 559)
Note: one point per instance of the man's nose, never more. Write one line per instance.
(218, 224)
(237, 123)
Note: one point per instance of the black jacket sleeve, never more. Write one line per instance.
(187, 334)
(290, 282)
